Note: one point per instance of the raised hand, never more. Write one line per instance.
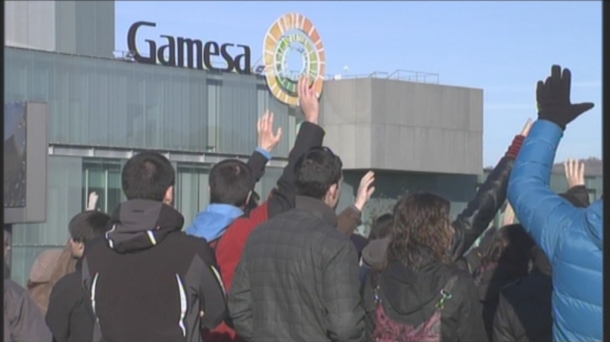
(92, 203)
(553, 97)
(267, 140)
(308, 101)
(365, 190)
(575, 172)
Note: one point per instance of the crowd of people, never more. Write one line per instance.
(292, 269)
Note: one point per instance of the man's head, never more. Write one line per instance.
(149, 176)
(231, 182)
(84, 227)
(318, 174)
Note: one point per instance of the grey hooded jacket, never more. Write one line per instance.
(23, 321)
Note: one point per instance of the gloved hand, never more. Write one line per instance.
(553, 97)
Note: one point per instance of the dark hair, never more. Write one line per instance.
(230, 182)
(147, 176)
(509, 242)
(422, 230)
(316, 171)
(381, 227)
(88, 225)
(508, 252)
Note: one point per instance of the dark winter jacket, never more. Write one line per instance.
(406, 294)
(524, 308)
(471, 261)
(23, 320)
(298, 280)
(231, 245)
(149, 281)
(70, 316)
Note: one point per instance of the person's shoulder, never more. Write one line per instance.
(188, 243)
(70, 280)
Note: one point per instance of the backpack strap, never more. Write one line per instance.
(446, 293)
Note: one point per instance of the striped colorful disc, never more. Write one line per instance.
(293, 32)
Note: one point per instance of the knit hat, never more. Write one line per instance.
(44, 266)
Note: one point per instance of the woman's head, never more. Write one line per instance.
(381, 227)
(422, 230)
(510, 247)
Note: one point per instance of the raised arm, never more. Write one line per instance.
(310, 135)
(267, 141)
(544, 214)
(577, 191)
(350, 218)
(490, 197)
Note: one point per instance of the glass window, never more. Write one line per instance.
(108, 102)
(104, 177)
(64, 200)
(192, 191)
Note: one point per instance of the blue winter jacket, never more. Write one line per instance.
(571, 237)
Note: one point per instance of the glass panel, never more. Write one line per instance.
(104, 177)
(192, 190)
(64, 200)
(116, 103)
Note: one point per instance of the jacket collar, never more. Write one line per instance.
(310, 203)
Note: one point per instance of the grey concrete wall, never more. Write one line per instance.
(75, 27)
(30, 24)
(397, 125)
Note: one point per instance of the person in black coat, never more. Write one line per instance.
(524, 307)
(70, 315)
(420, 267)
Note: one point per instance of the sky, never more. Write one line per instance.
(502, 47)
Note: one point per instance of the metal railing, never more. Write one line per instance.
(399, 75)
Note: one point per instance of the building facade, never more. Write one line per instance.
(102, 110)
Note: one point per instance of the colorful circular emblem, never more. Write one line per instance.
(293, 32)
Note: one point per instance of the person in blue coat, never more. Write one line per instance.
(572, 238)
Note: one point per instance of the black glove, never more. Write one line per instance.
(553, 97)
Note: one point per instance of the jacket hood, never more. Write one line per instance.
(374, 254)
(410, 292)
(214, 221)
(595, 224)
(141, 224)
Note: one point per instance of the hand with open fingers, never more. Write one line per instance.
(553, 98)
(92, 203)
(509, 215)
(267, 140)
(575, 172)
(365, 190)
(527, 128)
(308, 100)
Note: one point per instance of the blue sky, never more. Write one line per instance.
(502, 47)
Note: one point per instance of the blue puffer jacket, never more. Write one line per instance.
(571, 237)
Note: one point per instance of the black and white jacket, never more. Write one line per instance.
(149, 281)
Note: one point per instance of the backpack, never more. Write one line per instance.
(389, 330)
